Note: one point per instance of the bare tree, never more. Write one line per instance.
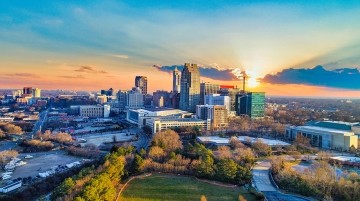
(168, 140)
(6, 156)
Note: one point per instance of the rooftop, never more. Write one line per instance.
(225, 141)
(316, 128)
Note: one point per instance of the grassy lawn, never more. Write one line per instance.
(178, 188)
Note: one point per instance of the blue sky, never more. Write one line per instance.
(131, 36)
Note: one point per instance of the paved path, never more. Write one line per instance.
(261, 177)
(262, 182)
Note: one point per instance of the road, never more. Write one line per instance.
(40, 123)
(262, 182)
(144, 140)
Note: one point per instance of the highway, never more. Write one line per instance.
(262, 182)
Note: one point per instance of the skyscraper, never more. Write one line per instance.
(251, 104)
(190, 87)
(122, 96)
(141, 82)
(176, 80)
(135, 99)
(27, 90)
(207, 88)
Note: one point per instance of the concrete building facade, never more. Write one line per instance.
(217, 114)
(135, 99)
(324, 137)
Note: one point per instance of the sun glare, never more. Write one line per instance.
(253, 82)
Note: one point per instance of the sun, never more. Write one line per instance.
(252, 82)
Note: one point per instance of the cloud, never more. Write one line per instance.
(121, 56)
(214, 73)
(72, 77)
(90, 69)
(346, 78)
(21, 75)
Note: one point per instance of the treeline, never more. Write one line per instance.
(319, 181)
(8, 128)
(96, 183)
(167, 154)
(42, 187)
(45, 141)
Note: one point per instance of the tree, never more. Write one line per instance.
(137, 164)
(241, 198)
(156, 153)
(168, 140)
(205, 167)
(236, 143)
(302, 141)
(63, 189)
(203, 198)
(245, 157)
(241, 124)
(226, 170)
(261, 148)
(6, 156)
(224, 152)
(12, 129)
(100, 188)
(2, 134)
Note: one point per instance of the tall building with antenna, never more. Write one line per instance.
(176, 80)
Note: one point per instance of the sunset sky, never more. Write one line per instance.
(90, 45)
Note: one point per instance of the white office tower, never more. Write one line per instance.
(217, 99)
(135, 99)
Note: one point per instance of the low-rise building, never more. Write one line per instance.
(93, 111)
(11, 187)
(218, 115)
(326, 138)
(163, 123)
(164, 118)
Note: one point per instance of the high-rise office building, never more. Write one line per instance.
(161, 99)
(176, 80)
(218, 114)
(17, 93)
(190, 87)
(207, 88)
(251, 104)
(108, 92)
(231, 92)
(27, 90)
(36, 93)
(216, 99)
(175, 100)
(135, 99)
(141, 82)
(122, 95)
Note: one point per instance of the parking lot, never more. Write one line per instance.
(42, 162)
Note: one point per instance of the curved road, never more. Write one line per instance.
(262, 182)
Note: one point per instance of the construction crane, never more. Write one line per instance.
(244, 76)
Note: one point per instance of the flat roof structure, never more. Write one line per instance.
(226, 141)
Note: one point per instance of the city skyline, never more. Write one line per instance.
(103, 44)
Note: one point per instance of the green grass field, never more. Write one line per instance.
(178, 188)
